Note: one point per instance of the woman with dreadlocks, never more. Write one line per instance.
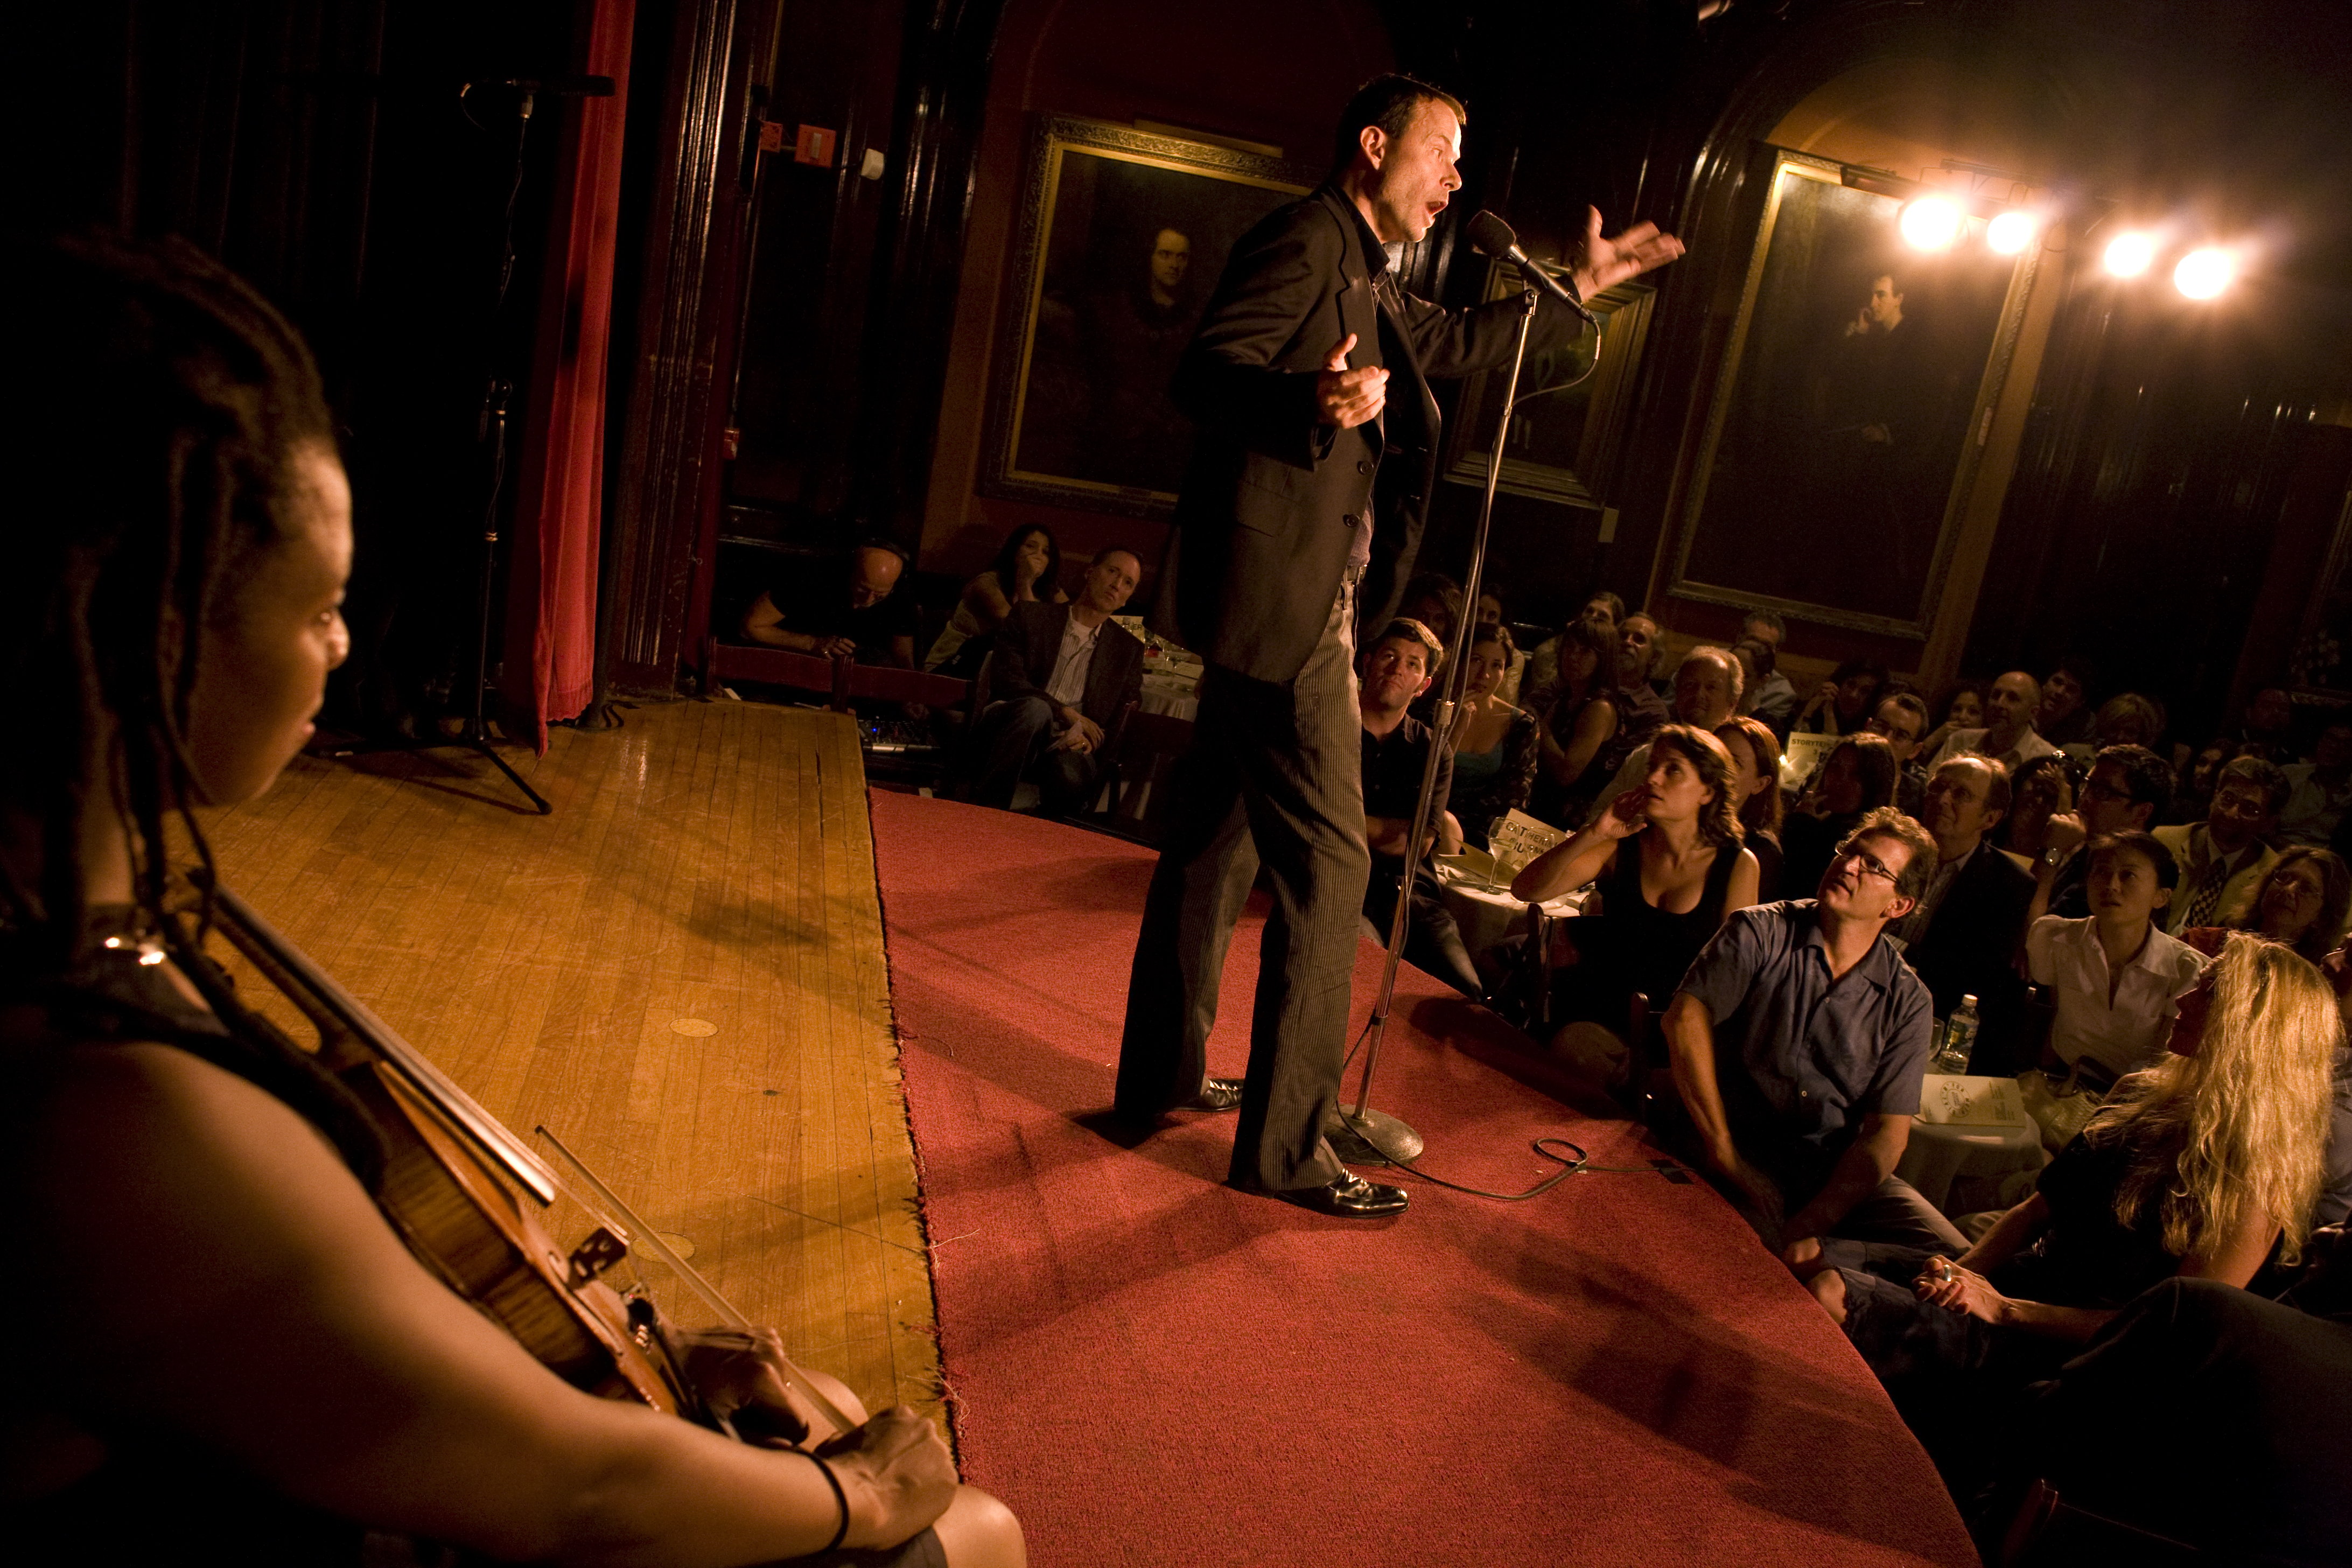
(234, 1347)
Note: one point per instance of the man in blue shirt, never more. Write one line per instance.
(1798, 1040)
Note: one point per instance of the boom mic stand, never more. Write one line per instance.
(1366, 1136)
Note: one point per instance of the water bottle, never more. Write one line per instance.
(1960, 1039)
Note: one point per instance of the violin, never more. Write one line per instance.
(458, 1186)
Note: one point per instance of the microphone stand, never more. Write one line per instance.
(1365, 1136)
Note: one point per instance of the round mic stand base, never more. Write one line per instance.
(1372, 1138)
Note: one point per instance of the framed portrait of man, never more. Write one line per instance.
(1570, 411)
(1855, 391)
(1123, 233)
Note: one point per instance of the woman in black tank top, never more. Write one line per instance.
(1667, 859)
(237, 1355)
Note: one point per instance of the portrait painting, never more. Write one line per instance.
(1572, 401)
(1847, 416)
(1123, 236)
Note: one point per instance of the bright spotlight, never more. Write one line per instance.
(2010, 232)
(1930, 223)
(2204, 272)
(2129, 255)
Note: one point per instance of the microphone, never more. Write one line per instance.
(1492, 236)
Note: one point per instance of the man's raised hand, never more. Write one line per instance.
(1349, 397)
(1602, 263)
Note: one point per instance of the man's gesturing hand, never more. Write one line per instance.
(1349, 397)
(1603, 262)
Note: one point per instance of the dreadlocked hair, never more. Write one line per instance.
(2238, 1131)
(163, 408)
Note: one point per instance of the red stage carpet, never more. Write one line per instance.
(1153, 1369)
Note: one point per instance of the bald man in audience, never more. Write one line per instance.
(836, 614)
(1706, 692)
(2009, 739)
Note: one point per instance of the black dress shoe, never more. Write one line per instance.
(1349, 1197)
(1216, 1094)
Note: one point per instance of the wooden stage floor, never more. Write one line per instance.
(680, 973)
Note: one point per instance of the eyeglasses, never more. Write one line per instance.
(1886, 731)
(1871, 865)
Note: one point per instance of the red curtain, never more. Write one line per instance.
(550, 670)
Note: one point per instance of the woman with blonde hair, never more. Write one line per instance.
(2195, 1167)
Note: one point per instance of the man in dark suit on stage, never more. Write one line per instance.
(1311, 365)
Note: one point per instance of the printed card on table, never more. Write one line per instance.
(1519, 838)
(1945, 1098)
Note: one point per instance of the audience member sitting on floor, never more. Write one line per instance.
(1772, 697)
(2223, 859)
(1755, 754)
(852, 611)
(1494, 745)
(2113, 974)
(1669, 865)
(2128, 791)
(2008, 736)
(1540, 688)
(1587, 707)
(1844, 703)
(2041, 790)
(1963, 927)
(1396, 669)
(1027, 570)
(1856, 777)
(2301, 904)
(1706, 692)
(1798, 1041)
(1901, 720)
(2064, 718)
(1061, 677)
(1962, 707)
(2194, 1168)
(2318, 791)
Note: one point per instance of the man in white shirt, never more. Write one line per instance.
(2115, 976)
(2009, 739)
(1052, 732)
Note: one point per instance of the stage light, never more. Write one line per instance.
(2205, 272)
(1930, 223)
(2010, 232)
(2129, 255)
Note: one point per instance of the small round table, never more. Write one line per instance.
(1486, 914)
(1942, 1152)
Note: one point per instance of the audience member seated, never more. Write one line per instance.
(1586, 710)
(1964, 925)
(1857, 777)
(853, 611)
(2301, 904)
(2041, 791)
(1396, 670)
(1637, 664)
(1771, 697)
(2268, 730)
(1494, 745)
(2266, 1389)
(2194, 797)
(1706, 692)
(1061, 677)
(1490, 614)
(1798, 1041)
(2335, 1205)
(2193, 1168)
(2113, 974)
(1669, 864)
(1538, 690)
(2008, 735)
(2319, 790)
(2223, 859)
(1962, 707)
(1027, 570)
(1435, 601)
(1844, 703)
(2127, 792)
(1757, 666)
(2127, 719)
(2064, 718)
(1755, 754)
(1901, 722)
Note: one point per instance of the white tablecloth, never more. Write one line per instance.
(1487, 915)
(1176, 698)
(1940, 1153)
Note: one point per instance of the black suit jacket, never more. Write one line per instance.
(1265, 521)
(1031, 640)
(1971, 944)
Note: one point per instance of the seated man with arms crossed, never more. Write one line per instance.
(1798, 1041)
(1395, 752)
(1059, 677)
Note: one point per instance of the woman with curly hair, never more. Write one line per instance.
(236, 1347)
(1670, 864)
(2303, 902)
(2194, 1168)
